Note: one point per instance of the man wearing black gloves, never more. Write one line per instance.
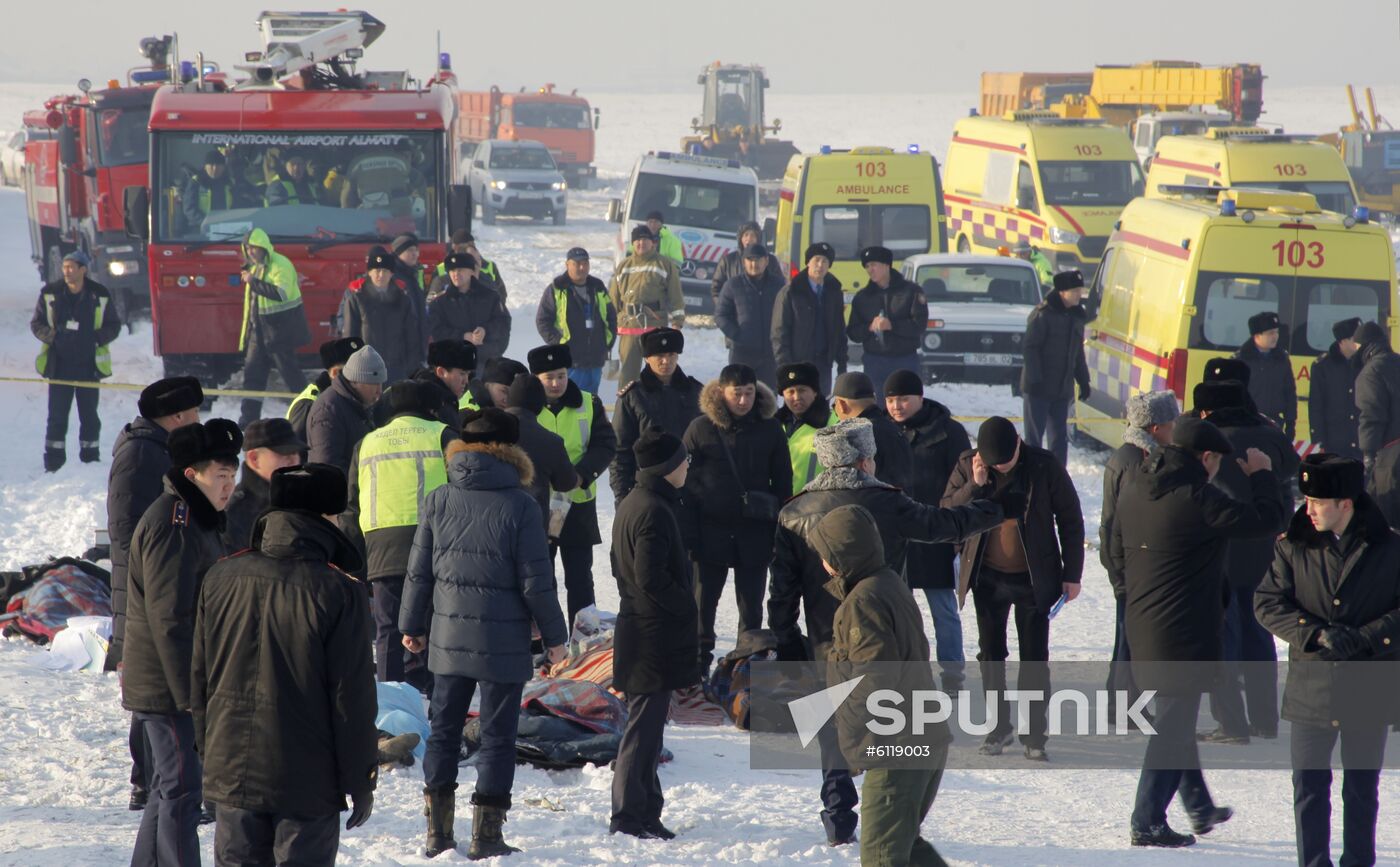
(1332, 595)
(888, 317)
(1028, 564)
(663, 397)
(281, 645)
(1271, 383)
(1168, 540)
(1053, 352)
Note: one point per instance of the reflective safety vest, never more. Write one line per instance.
(103, 356)
(805, 465)
(293, 197)
(561, 313)
(311, 392)
(400, 464)
(488, 270)
(467, 401)
(1043, 269)
(573, 426)
(670, 246)
(280, 272)
(206, 198)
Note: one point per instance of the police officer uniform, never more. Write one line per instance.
(392, 469)
(578, 418)
(647, 403)
(801, 431)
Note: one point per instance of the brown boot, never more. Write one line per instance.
(439, 805)
(488, 815)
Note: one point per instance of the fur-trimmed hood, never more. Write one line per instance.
(712, 404)
(468, 461)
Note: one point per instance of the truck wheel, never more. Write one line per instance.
(488, 215)
(963, 245)
(559, 217)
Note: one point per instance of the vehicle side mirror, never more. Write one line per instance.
(770, 231)
(597, 117)
(614, 210)
(67, 145)
(136, 204)
(459, 208)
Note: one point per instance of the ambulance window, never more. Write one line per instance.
(1230, 301)
(904, 229)
(996, 183)
(839, 227)
(1330, 303)
(1025, 190)
(1090, 182)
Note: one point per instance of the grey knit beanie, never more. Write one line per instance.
(845, 443)
(365, 366)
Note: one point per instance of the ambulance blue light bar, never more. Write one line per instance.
(1227, 208)
(913, 149)
(826, 149)
(1361, 214)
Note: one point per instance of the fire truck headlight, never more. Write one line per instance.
(123, 267)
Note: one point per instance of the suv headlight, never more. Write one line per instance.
(123, 267)
(1063, 236)
(560, 185)
(498, 185)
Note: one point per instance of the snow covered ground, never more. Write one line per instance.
(63, 758)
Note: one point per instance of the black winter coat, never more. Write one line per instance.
(715, 494)
(1052, 529)
(178, 539)
(448, 412)
(388, 321)
(1272, 384)
(553, 469)
(139, 465)
(481, 569)
(893, 458)
(1121, 465)
(732, 265)
(282, 660)
(1320, 580)
(454, 313)
(1332, 412)
(656, 643)
(1377, 397)
(338, 421)
(69, 326)
(1168, 540)
(935, 440)
(797, 574)
(589, 347)
(1248, 559)
(798, 315)
(1053, 350)
(581, 525)
(907, 308)
(646, 403)
(744, 315)
(250, 499)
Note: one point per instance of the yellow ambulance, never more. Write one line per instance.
(1182, 274)
(1255, 158)
(857, 198)
(1032, 177)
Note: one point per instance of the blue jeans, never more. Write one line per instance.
(1047, 420)
(500, 719)
(169, 832)
(947, 633)
(879, 367)
(587, 378)
(1248, 642)
(838, 792)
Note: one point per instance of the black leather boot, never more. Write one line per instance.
(439, 805)
(488, 815)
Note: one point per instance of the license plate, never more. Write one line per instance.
(983, 359)
(694, 301)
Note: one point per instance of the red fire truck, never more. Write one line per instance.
(374, 150)
(82, 153)
(561, 122)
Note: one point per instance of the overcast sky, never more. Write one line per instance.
(815, 46)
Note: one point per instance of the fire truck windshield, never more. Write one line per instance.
(296, 186)
(122, 139)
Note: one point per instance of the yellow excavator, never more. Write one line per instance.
(1370, 148)
(731, 125)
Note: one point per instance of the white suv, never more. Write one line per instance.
(517, 177)
(977, 309)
